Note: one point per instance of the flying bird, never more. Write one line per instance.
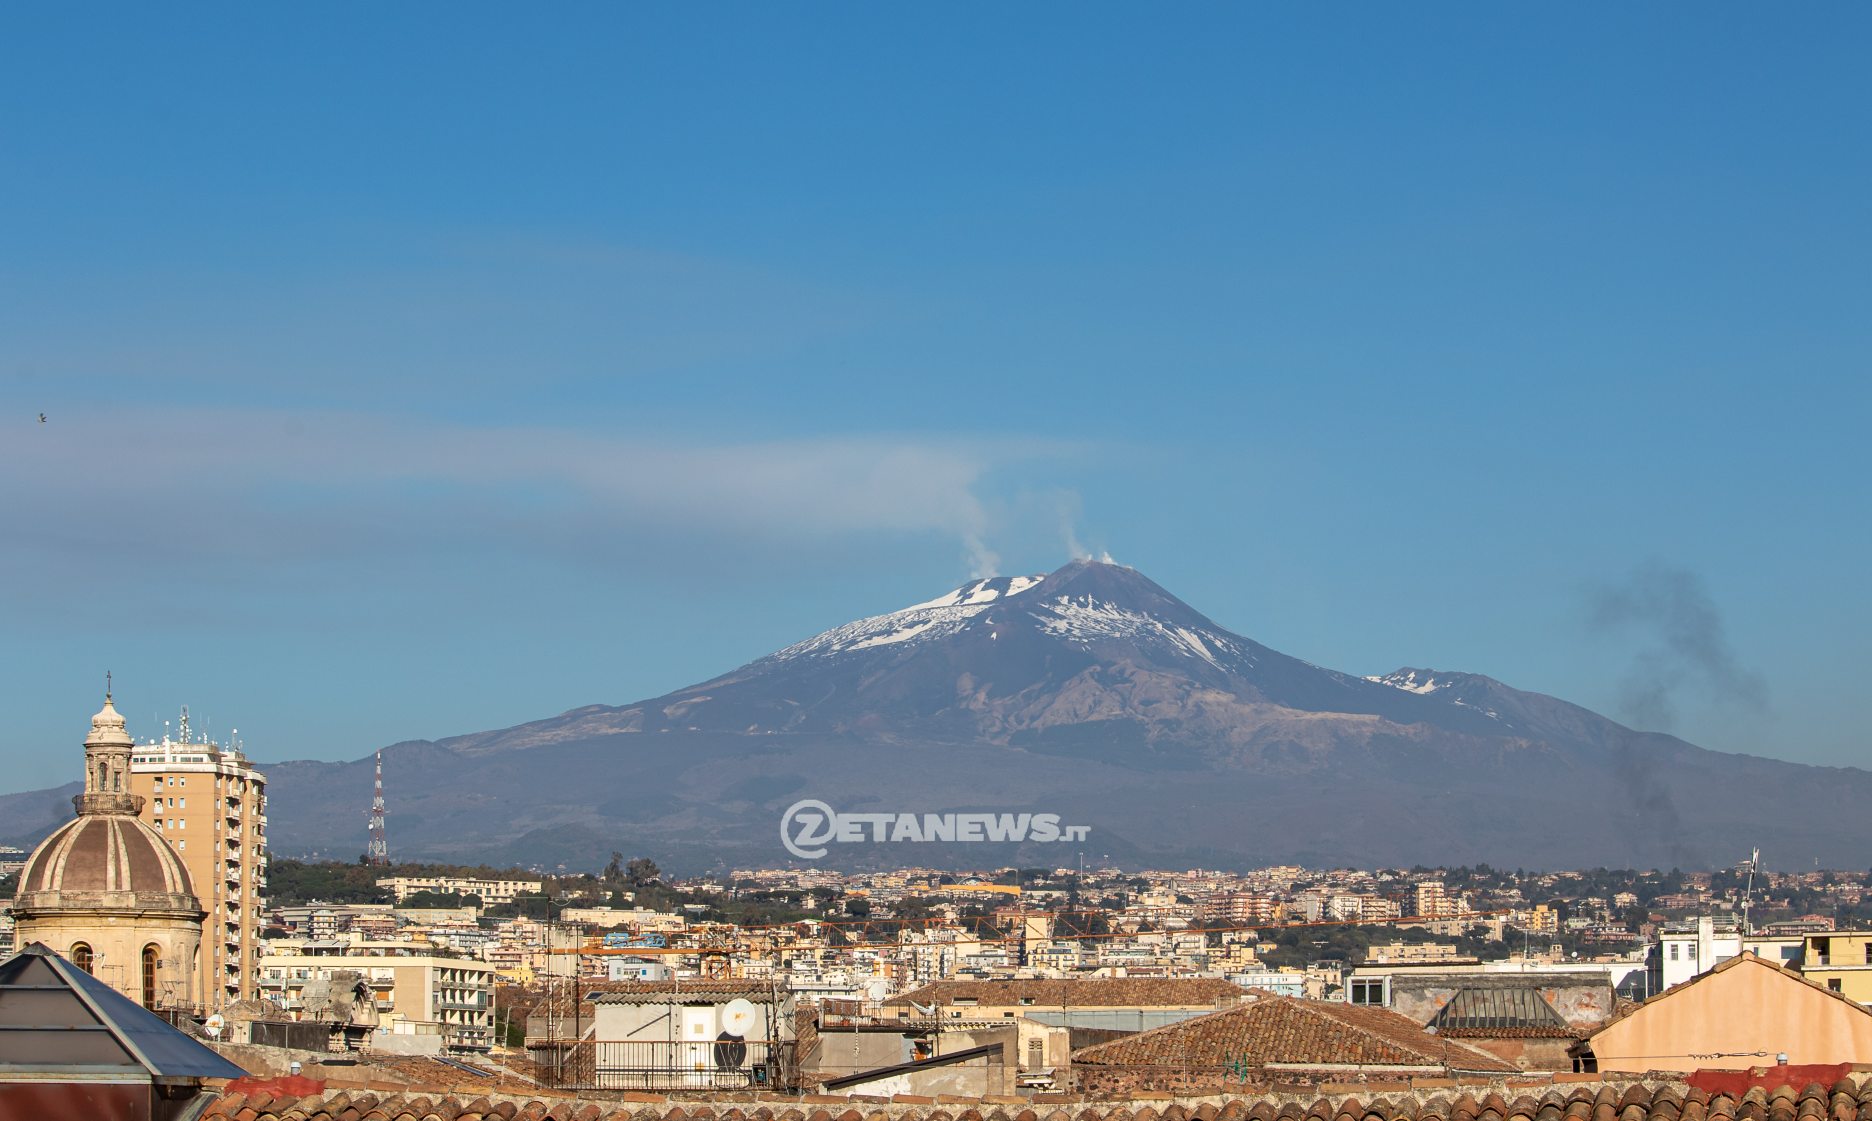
(41, 418)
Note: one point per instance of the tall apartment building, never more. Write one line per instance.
(209, 803)
(1433, 901)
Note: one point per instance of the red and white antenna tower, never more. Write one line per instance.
(379, 851)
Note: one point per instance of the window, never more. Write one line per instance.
(1370, 990)
(1833, 984)
(184, 803)
(1673, 951)
(152, 957)
(1868, 953)
(159, 823)
(81, 956)
(182, 844)
(1690, 951)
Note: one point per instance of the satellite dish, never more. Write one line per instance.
(738, 1016)
(213, 1025)
(877, 990)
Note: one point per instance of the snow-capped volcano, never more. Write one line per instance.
(1091, 648)
(1093, 693)
(1079, 604)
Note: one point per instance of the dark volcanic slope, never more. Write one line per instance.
(1093, 693)
(1015, 660)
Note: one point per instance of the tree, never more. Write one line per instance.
(642, 872)
(614, 871)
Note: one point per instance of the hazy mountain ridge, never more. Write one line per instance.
(1093, 693)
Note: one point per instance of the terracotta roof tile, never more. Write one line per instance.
(1291, 1032)
(1847, 1099)
(1101, 992)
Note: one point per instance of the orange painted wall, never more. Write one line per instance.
(1749, 1007)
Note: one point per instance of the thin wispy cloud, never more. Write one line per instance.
(255, 484)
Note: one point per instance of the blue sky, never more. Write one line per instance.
(414, 370)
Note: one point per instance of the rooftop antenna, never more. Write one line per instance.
(1748, 888)
(379, 851)
(182, 729)
(107, 675)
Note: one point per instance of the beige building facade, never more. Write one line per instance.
(492, 892)
(1842, 961)
(107, 893)
(415, 987)
(209, 803)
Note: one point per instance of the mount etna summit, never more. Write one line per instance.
(1093, 694)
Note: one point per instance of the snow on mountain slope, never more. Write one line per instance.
(1406, 679)
(937, 618)
(1077, 617)
(1084, 618)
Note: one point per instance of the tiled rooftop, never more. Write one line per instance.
(1095, 992)
(1847, 1099)
(1289, 1031)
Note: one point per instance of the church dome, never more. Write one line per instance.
(109, 860)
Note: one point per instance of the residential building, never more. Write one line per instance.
(1412, 952)
(209, 803)
(1746, 1012)
(492, 892)
(1433, 901)
(1416, 988)
(1693, 947)
(1842, 961)
(666, 1035)
(416, 988)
